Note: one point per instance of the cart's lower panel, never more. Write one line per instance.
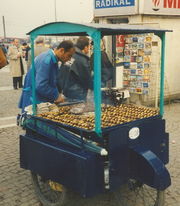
(79, 170)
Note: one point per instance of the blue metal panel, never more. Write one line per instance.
(76, 169)
(122, 164)
(146, 167)
(118, 158)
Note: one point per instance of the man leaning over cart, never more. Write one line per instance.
(46, 68)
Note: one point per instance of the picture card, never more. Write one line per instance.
(140, 65)
(134, 52)
(147, 46)
(133, 71)
(140, 52)
(141, 39)
(148, 39)
(127, 52)
(133, 65)
(147, 59)
(127, 58)
(134, 46)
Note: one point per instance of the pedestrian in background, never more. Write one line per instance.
(78, 80)
(38, 49)
(25, 49)
(16, 65)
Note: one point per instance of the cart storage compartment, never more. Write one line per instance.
(81, 171)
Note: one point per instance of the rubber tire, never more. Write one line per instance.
(62, 201)
(159, 201)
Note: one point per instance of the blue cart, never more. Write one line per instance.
(130, 158)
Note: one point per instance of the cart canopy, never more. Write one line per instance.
(77, 29)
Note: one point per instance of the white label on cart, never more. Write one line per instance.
(134, 133)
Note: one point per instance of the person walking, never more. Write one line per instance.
(38, 49)
(16, 65)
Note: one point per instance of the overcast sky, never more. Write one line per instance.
(23, 15)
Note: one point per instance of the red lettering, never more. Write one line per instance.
(171, 4)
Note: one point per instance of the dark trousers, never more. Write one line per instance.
(17, 82)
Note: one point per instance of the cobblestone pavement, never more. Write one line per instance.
(15, 183)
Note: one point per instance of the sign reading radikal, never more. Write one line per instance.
(130, 7)
(114, 7)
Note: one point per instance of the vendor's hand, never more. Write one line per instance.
(60, 99)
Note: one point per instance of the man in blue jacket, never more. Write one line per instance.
(46, 68)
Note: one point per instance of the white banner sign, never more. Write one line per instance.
(160, 7)
(114, 7)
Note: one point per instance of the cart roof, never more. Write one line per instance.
(81, 29)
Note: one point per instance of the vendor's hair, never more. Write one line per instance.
(82, 42)
(66, 45)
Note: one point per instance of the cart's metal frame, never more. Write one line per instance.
(96, 32)
(128, 159)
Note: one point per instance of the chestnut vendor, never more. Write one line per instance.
(46, 68)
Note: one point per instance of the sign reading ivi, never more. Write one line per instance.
(101, 4)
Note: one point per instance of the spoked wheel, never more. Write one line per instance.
(48, 192)
(136, 194)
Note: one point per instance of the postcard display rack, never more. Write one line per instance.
(141, 65)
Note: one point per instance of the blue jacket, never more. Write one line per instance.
(46, 68)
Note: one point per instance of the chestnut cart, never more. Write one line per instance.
(127, 159)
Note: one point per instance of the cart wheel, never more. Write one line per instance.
(135, 193)
(48, 192)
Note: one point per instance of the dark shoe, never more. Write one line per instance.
(15, 88)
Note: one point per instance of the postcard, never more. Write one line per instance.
(139, 78)
(134, 52)
(133, 71)
(148, 39)
(145, 84)
(140, 46)
(147, 45)
(133, 58)
(146, 71)
(132, 90)
(139, 59)
(139, 90)
(146, 65)
(147, 52)
(140, 71)
(140, 52)
(127, 58)
(147, 59)
(140, 65)
(145, 91)
(141, 39)
(135, 39)
(133, 65)
(127, 52)
(134, 46)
